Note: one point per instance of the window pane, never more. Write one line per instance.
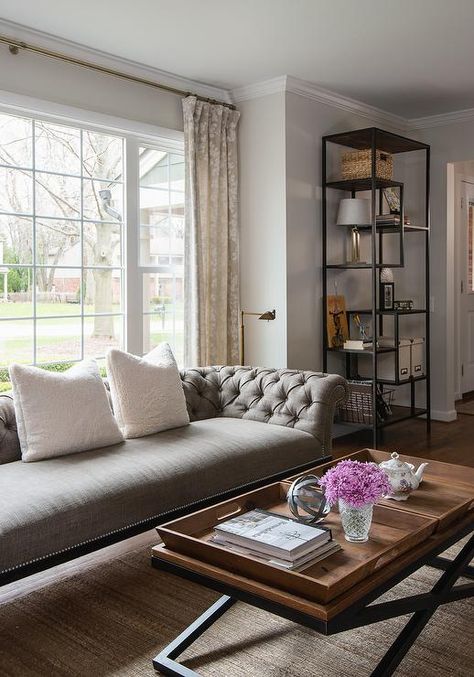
(162, 292)
(58, 242)
(58, 196)
(16, 342)
(102, 244)
(58, 291)
(177, 172)
(154, 168)
(154, 205)
(102, 333)
(16, 190)
(16, 240)
(58, 340)
(102, 156)
(102, 290)
(15, 141)
(57, 148)
(16, 296)
(177, 203)
(103, 201)
(159, 328)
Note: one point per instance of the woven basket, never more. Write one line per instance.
(358, 407)
(358, 165)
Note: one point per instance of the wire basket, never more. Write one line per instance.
(358, 164)
(358, 407)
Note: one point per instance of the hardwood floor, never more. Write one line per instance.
(449, 442)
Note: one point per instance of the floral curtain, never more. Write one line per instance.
(211, 259)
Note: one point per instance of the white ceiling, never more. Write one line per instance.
(409, 57)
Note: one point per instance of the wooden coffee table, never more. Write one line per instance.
(333, 595)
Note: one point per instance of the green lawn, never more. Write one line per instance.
(57, 340)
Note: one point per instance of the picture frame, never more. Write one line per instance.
(337, 325)
(387, 296)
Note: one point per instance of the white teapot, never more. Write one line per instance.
(402, 477)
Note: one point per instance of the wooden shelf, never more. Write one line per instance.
(402, 414)
(388, 142)
(383, 349)
(414, 311)
(362, 266)
(362, 184)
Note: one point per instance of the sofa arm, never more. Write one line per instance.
(9, 442)
(304, 400)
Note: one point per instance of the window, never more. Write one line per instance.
(162, 247)
(87, 254)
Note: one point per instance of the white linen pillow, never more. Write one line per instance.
(147, 393)
(59, 414)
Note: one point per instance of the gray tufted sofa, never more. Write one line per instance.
(56, 509)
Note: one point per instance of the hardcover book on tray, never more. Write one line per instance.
(272, 535)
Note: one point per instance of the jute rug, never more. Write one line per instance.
(112, 617)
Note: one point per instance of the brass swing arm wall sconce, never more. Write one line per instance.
(267, 315)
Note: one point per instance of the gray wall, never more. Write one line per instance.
(62, 83)
(263, 227)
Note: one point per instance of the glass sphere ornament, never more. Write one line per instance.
(306, 500)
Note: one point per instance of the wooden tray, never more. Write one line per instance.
(393, 532)
(446, 492)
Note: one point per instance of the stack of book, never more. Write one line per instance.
(276, 539)
(390, 220)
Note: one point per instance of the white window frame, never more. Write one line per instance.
(135, 134)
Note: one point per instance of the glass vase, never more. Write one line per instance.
(356, 521)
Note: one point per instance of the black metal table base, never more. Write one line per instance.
(421, 606)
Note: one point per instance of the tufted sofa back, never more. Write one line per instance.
(305, 400)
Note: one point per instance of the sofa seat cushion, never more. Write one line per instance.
(61, 502)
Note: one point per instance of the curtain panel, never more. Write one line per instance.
(211, 258)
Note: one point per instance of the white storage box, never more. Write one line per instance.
(386, 361)
(418, 357)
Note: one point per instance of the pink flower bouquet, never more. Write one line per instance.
(355, 483)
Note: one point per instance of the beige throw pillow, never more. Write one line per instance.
(147, 393)
(59, 414)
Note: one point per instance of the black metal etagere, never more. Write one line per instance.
(388, 142)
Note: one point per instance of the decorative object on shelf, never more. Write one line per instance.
(358, 164)
(365, 342)
(354, 212)
(358, 406)
(306, 496)
(267, 315)
(402, 477)
(392, 198)
(356, 487)
(387, 364)
(387, 289)
(405, 304)
(337, 327)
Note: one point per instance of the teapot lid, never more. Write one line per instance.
(394, 463)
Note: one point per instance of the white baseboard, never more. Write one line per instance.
(445, 416)
(457, 396)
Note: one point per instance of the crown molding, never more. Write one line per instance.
(258, 89)
(284, 83)
(455, 117)
(325, 96)
(288, 83)
(134, 68)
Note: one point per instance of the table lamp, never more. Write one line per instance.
(354, 212)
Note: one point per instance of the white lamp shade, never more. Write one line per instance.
(354, 211)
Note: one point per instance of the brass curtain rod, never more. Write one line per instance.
(15, 46)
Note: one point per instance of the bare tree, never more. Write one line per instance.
(98, 159)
